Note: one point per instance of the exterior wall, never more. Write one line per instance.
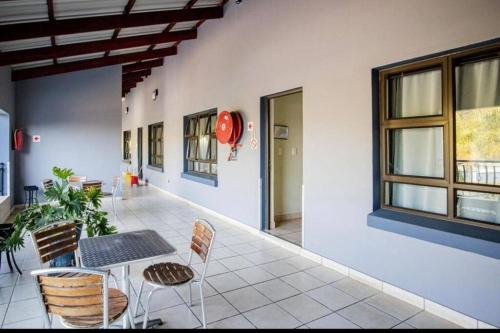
(78, 117)
(328, 48)
(7, 104)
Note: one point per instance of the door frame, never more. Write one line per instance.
(265, 148)
(140, 151)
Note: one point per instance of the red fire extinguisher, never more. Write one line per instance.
(18, 139)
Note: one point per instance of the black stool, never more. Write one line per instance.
(30, 199)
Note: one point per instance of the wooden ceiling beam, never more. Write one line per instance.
(68, 50)
(142, 65)
(132, 81)
(126, 11)
(30, 73)
(9, 32)
(145, 72)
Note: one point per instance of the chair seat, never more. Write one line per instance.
(31, 188)
(168, 274)
(117, 306)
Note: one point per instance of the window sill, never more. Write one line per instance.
(465, 237)
(155, 168)
(200, 179)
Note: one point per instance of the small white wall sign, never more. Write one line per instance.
(36, 138)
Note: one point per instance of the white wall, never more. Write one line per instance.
(328, 48)
(78, 116)
(287, 111)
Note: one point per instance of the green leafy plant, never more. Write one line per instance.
(65, 202)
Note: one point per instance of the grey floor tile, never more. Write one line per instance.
(331, 297)
(216, 307)
(301, 262)
(236, 263)
(236, 322)
(208, 291)
(355, 288)
(366, 316)
(3, 310)
(179, 316)
(222, 252)
(214, 268)
(325, 274)
(8, 279)
(29, 323)
(280, 253)
(163, 298)
(271, 316)
(254, 275)
(393, 306)
(246, 299)
(302, 281)
(279, 268)
(24, 291)
(226, 282)
(333, 321)
(5, 294)
(276, 289)
(23, 310)
(403, 326)
(304, 308)
(243, 248)
(426, 320)
(260, 257)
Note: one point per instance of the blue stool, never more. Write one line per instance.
(30, 195)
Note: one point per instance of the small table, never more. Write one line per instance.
(121, 250)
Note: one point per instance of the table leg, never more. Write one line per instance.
(126, 291)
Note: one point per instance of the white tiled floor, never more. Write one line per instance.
(289, 230)
(252, 282)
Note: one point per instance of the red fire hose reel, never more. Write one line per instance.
(229, 129)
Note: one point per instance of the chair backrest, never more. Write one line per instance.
(55, 240)
(203, 239)
(93, 183)
(77, 179)
(47, 183)
(73, 292)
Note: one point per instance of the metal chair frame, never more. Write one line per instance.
(114, 190)
(199, 282)
(103, 273)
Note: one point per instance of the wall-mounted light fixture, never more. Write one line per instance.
(123, 99)
(155, 94)
(126, 110)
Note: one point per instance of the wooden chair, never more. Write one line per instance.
(77, 179)
(80, 297)
(54, 240)
(114, 191)
(168, 274)
(92, 183)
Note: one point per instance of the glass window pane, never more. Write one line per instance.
(416, 152)
(423, 198)
(205, 167)
(477, 122)
(478, 206)
(214, 169)
(203, 125)
(204, 152)
(415, 94)
(192, 148)
(213, 122)
(213, 149)
(196, 166)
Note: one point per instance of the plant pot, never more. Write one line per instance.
(68, 259)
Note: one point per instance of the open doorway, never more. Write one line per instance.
(4, 153)
(139, 152)
(283, 159)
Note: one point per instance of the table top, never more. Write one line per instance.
(123, 248)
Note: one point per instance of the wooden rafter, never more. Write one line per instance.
(16, 57)
(9, 32)
(126, 11)
(29, 73)
(142, 65)
(145, 72)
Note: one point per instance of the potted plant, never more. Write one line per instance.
(65, 202)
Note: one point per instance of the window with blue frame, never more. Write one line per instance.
(200, 144)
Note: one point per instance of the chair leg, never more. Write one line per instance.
(203, 314)
(8, 260)
(146, 313)
(15, 263)
(138, 299)
(113, 203)
(1, 259)
(190, 296)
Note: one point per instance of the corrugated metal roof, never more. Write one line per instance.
(130, 50)
(23, 11)
(146, 30)
(33, 64)
(65, 9)
(84, 37)
(163, 45)
(24, 44)
(155, 5)
(81, 57)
